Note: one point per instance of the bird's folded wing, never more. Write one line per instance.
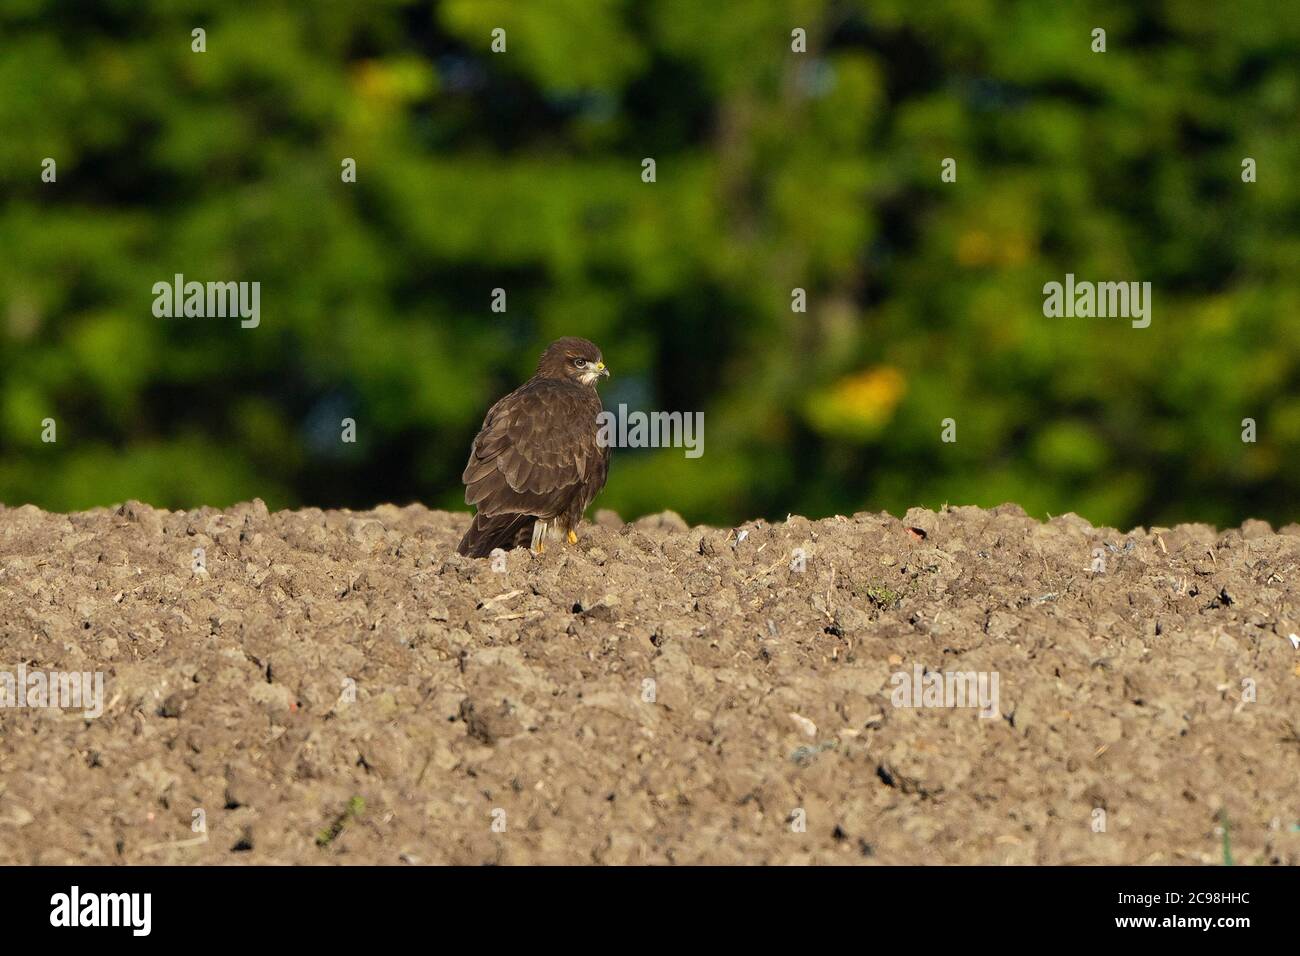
(536, 446)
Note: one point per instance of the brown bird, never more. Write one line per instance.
(537, 464)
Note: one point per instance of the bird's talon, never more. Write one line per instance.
(573, 538)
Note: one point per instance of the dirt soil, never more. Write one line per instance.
(338, 687)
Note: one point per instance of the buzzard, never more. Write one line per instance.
(536, 464)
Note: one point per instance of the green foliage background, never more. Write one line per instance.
(775, 170)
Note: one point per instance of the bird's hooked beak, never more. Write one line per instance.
(592, 373)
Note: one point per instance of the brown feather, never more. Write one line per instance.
(536, 456)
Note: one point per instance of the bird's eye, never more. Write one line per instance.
(580, 363)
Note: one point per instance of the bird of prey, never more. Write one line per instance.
(537, 464)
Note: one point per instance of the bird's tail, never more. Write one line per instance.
(503, 531)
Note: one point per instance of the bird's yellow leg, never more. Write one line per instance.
(573, 538)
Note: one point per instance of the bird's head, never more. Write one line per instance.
(573, 358)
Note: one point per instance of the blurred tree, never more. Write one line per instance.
(776, 170)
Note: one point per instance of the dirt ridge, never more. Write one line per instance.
(341, 687)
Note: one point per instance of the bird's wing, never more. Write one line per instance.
(537, 445)
(597, 472)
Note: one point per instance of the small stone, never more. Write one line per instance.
(804, 724)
